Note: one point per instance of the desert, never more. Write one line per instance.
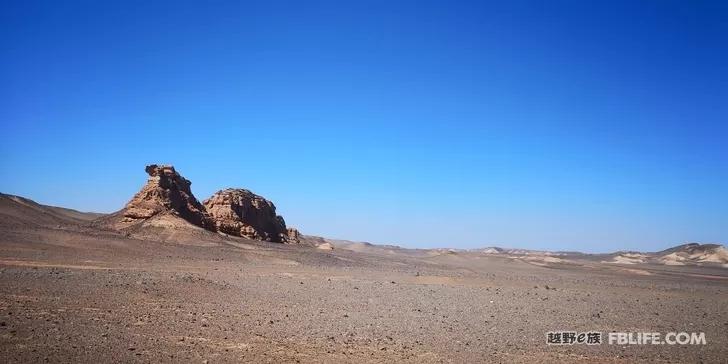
(322, 181)
(82, 287)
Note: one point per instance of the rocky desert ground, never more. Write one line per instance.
(171, 279)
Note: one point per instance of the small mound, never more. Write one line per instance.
(628, 258)
(545, 259)
(672, 259)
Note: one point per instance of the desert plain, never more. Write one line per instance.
(74, 289)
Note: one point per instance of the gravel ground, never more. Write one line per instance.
(81, 295)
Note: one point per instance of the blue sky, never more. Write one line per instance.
(574, 125)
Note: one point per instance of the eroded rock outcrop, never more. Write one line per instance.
(294, 236)
(166, 192)
(165, 207)
(240, 212)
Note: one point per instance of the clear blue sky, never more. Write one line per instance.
(582, 125)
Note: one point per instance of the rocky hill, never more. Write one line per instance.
(239, 212)
(686, 254)
(166, 204)
(694, 253)
(22, 212)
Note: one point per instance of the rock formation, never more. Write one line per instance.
(166, 192)
(294, 236)
(240, 212)
(166, 205)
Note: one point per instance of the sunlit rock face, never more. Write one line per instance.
(166, 191)
(239, 212)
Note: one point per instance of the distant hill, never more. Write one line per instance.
(20, 211)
